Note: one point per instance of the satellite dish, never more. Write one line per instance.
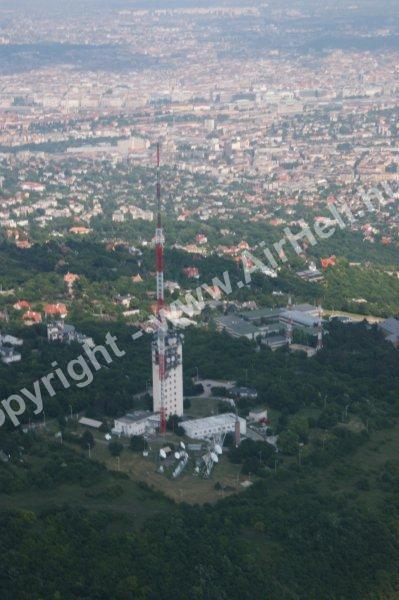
(108, 437)
(196, 469)
(182, 445)
(145, 452)
(177, 455)
(162, 453)
(214, 457)
(218, 449)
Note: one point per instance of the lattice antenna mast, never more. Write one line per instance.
(320, 329)
(288, 331)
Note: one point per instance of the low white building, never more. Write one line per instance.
(9, 355)
(138, 422)
(10, 339)
(90, 422)
(62, 332)
(207, 427)
(257, 415)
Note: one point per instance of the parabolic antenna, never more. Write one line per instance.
(214, 457)
(177, 455)
(218, 449)
(182, 445)
(162, 453)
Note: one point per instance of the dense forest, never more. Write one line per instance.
(321, 527)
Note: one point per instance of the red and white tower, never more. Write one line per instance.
(320, 329)
(159, 244)
(288, 330)
(167, 369)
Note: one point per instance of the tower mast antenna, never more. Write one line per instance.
(320, 329)
(159, 246)
(288, 331)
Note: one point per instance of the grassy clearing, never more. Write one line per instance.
(383, 446)
(202, 407)
(188, 487)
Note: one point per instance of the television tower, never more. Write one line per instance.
(167, 345)
(159, 245)
(288, 331)
(320, 330)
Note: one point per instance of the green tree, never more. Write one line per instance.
(137, 443)
(115, 448)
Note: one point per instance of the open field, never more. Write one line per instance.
(188, 487)
(383, 446)
(202, 407)
(126, 496)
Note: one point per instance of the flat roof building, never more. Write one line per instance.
(261, 314)
(258, 415)
(237, 327)
(90, 422)
(207, 427)
(275, 341)
(243, 392)
(299, 318)
(390, 329)
(136, 423)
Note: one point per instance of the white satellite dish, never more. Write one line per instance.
(145, 452)
(162, 453)
(108, 437)
(214, 457)
(177, 455)
(182, 445)
(218, 449)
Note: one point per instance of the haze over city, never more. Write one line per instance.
(199, 299)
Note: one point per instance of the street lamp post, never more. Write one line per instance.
(299, 453)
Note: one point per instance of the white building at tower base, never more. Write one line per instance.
(207, 427)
